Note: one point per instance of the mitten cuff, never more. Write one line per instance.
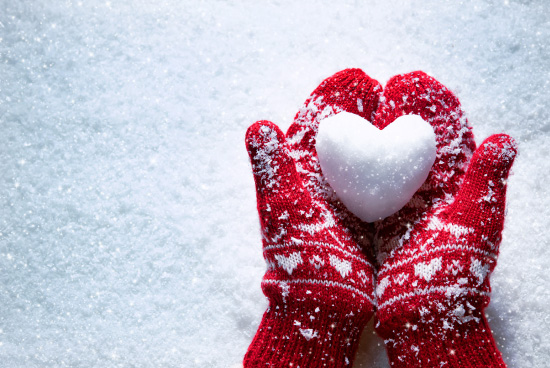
(467, 345)
(303, 334)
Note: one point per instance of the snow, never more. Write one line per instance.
(129, 232)
(308, 333)
(375, 172)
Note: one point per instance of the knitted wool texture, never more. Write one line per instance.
(436, 254)
(319, 282)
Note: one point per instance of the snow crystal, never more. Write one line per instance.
(308, 333)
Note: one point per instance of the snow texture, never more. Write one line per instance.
(375, 172)
(129, 235)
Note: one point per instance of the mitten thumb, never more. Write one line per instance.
(480, 202)
(277, 181)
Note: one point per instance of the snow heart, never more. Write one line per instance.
(375, 172)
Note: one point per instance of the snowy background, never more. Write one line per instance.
(128, 228)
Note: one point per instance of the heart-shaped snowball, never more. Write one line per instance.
(375, 172)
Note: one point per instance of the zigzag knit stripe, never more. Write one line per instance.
(324, 283)
(430, 290)
(458, 247)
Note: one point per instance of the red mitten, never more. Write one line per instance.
(318, 281)
(436, 254)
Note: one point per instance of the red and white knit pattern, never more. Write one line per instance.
(417, 93)
(436, 254)
(319, 283)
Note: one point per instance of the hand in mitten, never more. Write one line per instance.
(319, 283)
(436, 254)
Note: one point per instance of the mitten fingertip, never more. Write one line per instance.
(500, 148)
(493, 159)
(263, 134)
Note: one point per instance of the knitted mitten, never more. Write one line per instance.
(436, 254)
(318, 281)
